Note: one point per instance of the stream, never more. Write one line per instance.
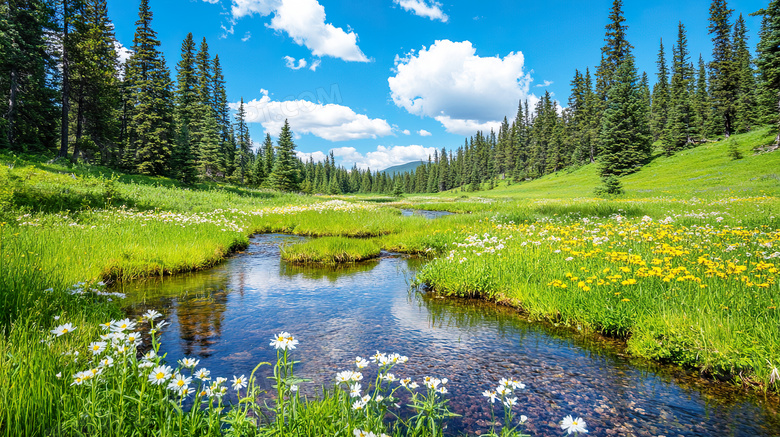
(227, 315)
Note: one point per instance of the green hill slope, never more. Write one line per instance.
(704, 171)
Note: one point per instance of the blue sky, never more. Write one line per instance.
(383, 82)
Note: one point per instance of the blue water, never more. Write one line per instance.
(226, 316)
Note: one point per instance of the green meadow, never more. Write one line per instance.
(683, 266)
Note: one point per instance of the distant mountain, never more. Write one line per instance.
(402, 168)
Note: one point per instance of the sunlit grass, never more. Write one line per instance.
(330, 250)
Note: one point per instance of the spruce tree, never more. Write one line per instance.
(28, 71)
(660, 104)
(268, 154)
(701, 103)
(150, 126)
(678, 134)
(244, 155)
(94, 83)
(615, 49)
(768, 60)
(285, 175)
(745, 107)
(723, 81)
(186, 106)
(625, 133)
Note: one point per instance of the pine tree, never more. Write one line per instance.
(745, 107)
(616, 48)
(723, 81)
(268, 154)
(207, 143)
(94, 83)
(284, 176)
(244, 156)
(204, 74)
(150, 125)
(28, 70)
(768, 60)
(701, 103)
(625, 133)
(678, 132)
(186, 104)
(660, 104)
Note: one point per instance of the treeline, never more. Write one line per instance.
(65, 92)
(613, 118)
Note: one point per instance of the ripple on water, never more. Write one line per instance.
(226, 316)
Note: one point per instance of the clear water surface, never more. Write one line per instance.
(226, 317)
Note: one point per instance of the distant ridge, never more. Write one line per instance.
(401, 168)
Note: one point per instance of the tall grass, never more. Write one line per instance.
(330, 250)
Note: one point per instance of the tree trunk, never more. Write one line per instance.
(12, 98)
(79, 122)
(65, 85)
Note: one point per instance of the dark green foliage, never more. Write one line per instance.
(733, 149)
(186, 99)
(625, 133)
(702, 108)
(244, 155)
(745, 113)
(660, 104)
(150, 126)
(285, 175)
(723, 74)
(679, 126)
(28, 76)
(93, 83)
(768, 61)
(611, 187)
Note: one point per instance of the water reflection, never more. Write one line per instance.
(226, 316)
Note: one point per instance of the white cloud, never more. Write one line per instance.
(316, 63)
(379, 159)
(330, 121)
(317, 156)
(290, 63)
(422, 8)
(246, 36)
(304, 22)
(122, 52)
(424, 133)
(461, 90)
(122, 55)
(545, 84)
(213, 2)
(406, 132)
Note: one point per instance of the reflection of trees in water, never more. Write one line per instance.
(200, 320)
(331, 273)
(200, 300)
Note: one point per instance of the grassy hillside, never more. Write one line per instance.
(704, 171)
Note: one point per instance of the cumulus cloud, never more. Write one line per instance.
(406, 132)
(424, 8)
(290, 63)
(424, 133)
(304, 22)
(450, 83)
(379, 159)
(316, 156)
(122, 52)
(330, 121)
(544, 84)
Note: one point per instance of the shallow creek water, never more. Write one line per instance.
(226, 316)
